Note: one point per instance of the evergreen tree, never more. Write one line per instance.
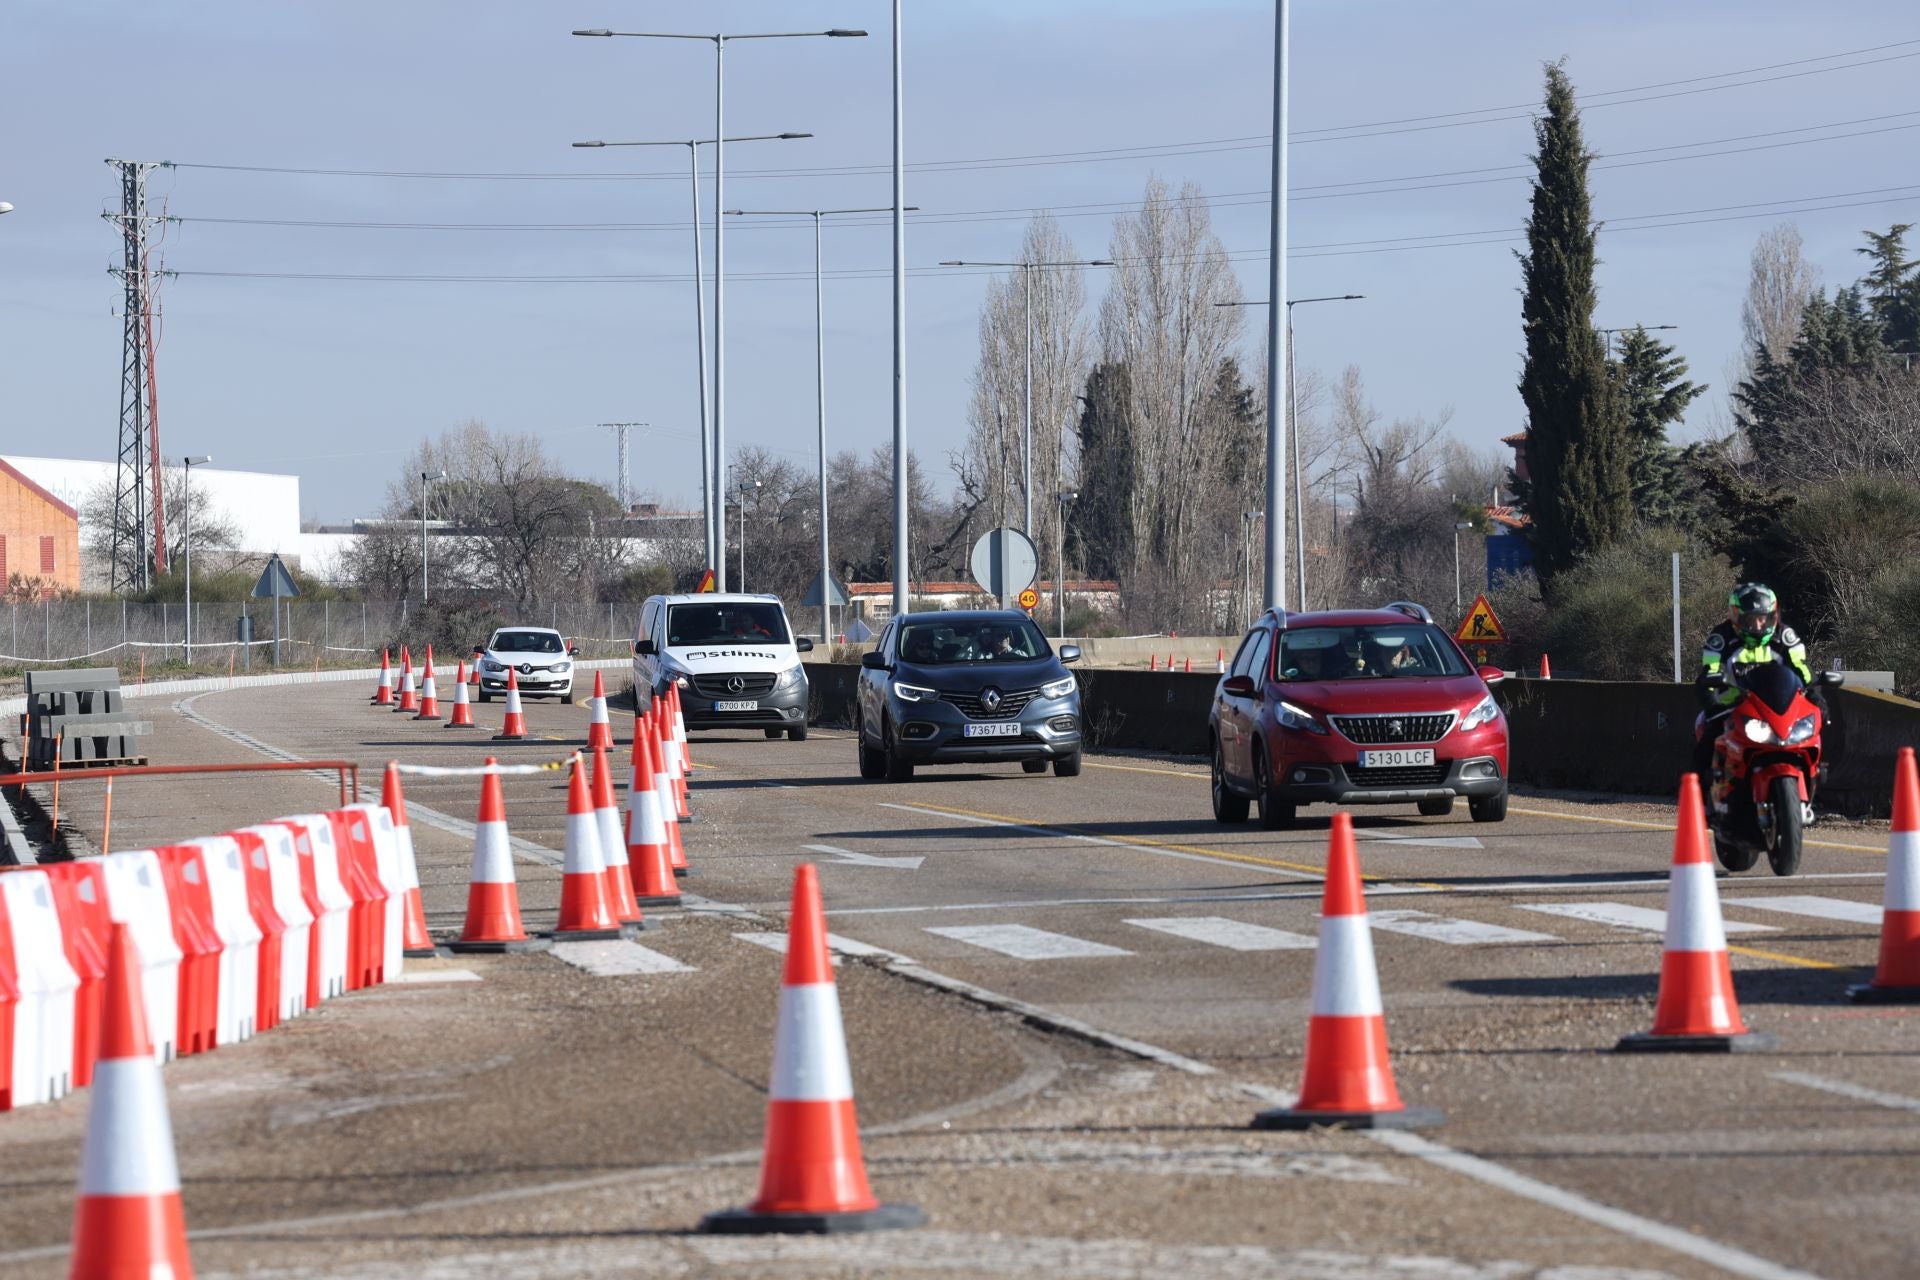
(1840, 335)
(1577, 446)
(1654, 394)
(1892, 288)
(1100, 526)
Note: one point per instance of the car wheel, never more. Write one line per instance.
(873, 762)
(1439, 807)
(1491, 808)
(1229, 806)
(797, 735)
(567, 697)
(1275, 814)
(899, 768)
(485, 696)
(1067, 766)
(1033, 766)
(773, 733)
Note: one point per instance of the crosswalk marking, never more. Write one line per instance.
(1458, 933)
(616, 958)
(836, 945)
(1219, 931)
(437, 975)
(1023, 943)
(1820, 908)
(1622, 916)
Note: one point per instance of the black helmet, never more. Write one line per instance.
(1754, 611)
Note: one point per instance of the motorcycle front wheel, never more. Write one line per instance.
(1783, 842)
(1734, 855)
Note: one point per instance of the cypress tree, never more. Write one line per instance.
(1581, 497)
(1654, 393)
(1100, 526)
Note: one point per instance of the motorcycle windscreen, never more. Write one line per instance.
(1774, 683)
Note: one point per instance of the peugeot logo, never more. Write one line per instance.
(990, 698)
(1397, 728)
(736, 684)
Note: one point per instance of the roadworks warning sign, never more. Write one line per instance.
(1480, 626)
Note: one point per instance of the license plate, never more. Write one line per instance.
(1008, 730)
(1397, 757)
(754, 706)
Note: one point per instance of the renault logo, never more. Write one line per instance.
(990, 699)
(736, 684)
(526, 668)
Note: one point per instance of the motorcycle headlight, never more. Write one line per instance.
(914, 693)
(1801, 731)
(1059, 688)
(792, 676)
(1758, 731)
(1294, 717)
(1484, 712)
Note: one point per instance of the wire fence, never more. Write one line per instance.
(36, 634)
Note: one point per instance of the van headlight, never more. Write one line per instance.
(793, 675)
(1484, 712)
(1059, 688)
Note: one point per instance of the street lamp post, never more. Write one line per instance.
(1246, 567)
(741, 493)
(720, 39)
(1458, 526)
(186, 527)
(1607, 334)
(427, 478)
(1067, 496)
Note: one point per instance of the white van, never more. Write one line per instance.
(735, 658)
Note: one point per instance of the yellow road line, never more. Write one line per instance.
(1784, 958)
(1659, 826)
(1136, 768)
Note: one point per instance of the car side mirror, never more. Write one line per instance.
(573, 651)
(1831, 679)
(644, 648)
(479, 649)
(1238, 686)
(1492, 675)
(803, 645)
(1069, 653)
(875, 661)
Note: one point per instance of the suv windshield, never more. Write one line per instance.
(727, 622)
(1319, 654)
(936, 644)
(526, 642)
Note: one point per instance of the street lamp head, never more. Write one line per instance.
(1099, 262)
(1464, 524)
(1069, 495)
(594, 31)
(788, 137)
(5, 207)
(198, 459)
(953, 262)
(845, 32)
(589, 144)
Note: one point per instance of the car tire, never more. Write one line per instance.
(873, 762)
(1491, 808)
(485, 696)
(1067, 766)
(567, 698)
(773, 733)
(1229, 806)
(1275, 814)
(1033, 766)
(797, 735)
(899, 768)
(1437, 808)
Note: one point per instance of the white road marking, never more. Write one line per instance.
(1622, 916)
(1434, 842)
(849, 858)
(1819, 908)
(1218, 931)
(836, 945)
(1024, 943)
(1459, 933)
(1895, 1101)
(437, 975)
(616, 958)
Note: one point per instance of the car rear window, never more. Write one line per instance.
(1319, 654)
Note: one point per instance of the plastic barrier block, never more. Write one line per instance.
(191, 898)
(80, 893)
(269, 986)
(43, 1016)
(137, 898)
(332, 905)
(239, 937)
(277, 855)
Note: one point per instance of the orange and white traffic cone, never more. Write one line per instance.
(462, 709)
(647, 848)
(1546, 668)
(383, 692)
(585, 912)
(493, 899)
(429, 696)
(812, 1177)
(127, 1220)
(599, 728)
(613, 844)
(406, 700)
(473, 676)
(670, 759)
(515, 727)
(1220, 662)
(1153, 662)
(1696, 1011)
(1188, 669)
(686, 755)
(1897, 979)
(415, 942)
(1347, 1080)
(665, 794)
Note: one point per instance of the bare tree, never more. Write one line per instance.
(216, 535)
(1779, 282)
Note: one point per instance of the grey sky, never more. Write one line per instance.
(336, 380)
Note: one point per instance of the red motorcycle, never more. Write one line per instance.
(1766, 767)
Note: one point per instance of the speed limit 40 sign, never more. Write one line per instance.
(1029, 598)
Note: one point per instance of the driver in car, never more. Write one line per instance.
(998, 642)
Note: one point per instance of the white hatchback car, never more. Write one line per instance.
(540, 658)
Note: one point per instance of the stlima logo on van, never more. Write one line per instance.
(701, 655)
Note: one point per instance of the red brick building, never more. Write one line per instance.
(39, 538)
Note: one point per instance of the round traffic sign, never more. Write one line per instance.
(1029, 598)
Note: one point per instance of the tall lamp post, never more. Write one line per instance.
(1606, 335)
(741, 493)
(427, 480)
(1067, 498)
(693, 145)
(1026, 439)
(1457, 527)
(1246, 566)
(186, 529)
(719, 39)
(819, 377)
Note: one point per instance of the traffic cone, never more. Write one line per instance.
(515, 727)
(429, 698)
(415, 942)
(613, 844)
(670, 758)
(1897, 980)
(686, 756)
(462, 708)
(664, 794)
(127, 1220)
(586, 913)
(599, 728)
(1546, 668)
(1153, 662)
(812, 1179)
(493, 899)
(647, 848)
(383, 692)
(1220, 662)
(406, 702)
(1189, 667)
(473, 675)
(1696, 1012)
(1348, 1080)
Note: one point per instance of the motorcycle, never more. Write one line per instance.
(1766, 767)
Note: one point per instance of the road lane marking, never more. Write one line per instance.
(1435, 842)
(1141, 768)
(1819, 908)
(1661, 826)
(1895, 1101)
(1218, 931)
(1622, 916)
(837, 945)
(616, 958)
(1457, 933)
(1023, 942)
(848, 857)
(436, 975)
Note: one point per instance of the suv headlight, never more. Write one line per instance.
(1801, 731)
(792, 676)
(914, 693)
(1293, 717)
(1059, 688)
(1486, 711)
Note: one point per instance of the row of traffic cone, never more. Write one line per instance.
(426, 703)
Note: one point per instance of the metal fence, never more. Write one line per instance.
(41, 633)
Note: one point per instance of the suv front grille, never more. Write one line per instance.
(1395, 777)
(1012, 703)
(715, 685)
(1389, 728)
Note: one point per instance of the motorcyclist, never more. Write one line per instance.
(1752, 634)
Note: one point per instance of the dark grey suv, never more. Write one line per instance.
(973, 687)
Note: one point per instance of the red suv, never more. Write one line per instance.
(1361, 706)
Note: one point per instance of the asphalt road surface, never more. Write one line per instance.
(1065, 998)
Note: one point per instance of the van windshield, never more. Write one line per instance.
(1315, 654)
(727, 622)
